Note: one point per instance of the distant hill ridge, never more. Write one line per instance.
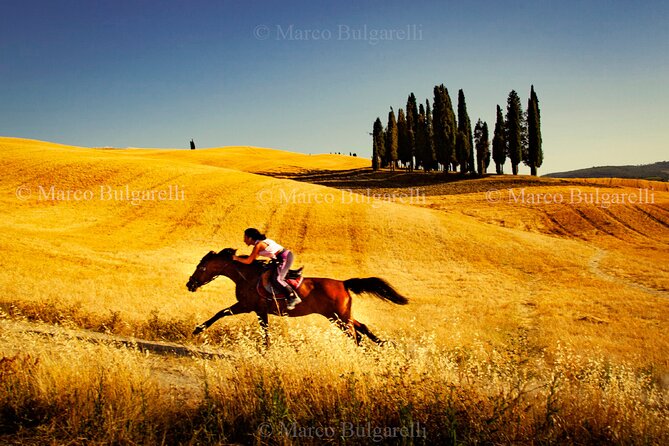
(657, 171)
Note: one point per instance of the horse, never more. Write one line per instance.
(328, 297)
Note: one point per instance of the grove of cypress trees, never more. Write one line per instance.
(514, 130)
(432, 137)
(535, 154)
(499, 143)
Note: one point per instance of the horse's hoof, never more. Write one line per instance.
(199, 329)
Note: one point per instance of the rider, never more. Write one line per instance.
(262, 246)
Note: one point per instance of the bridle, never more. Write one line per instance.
(199, 284)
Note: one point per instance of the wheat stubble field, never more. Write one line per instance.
(537, 315)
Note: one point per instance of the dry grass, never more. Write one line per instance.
(312, 387)
(527, 323)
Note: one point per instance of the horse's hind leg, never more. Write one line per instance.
(362, 328)
(348, 328)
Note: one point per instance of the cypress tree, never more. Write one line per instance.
(444, 128)
(472, 161)
(412, 127)
(524, 144)
(378, 147)
(464, 146)
(451, 127)
(499, 143)
(403, 149)
(421, 143)
(482, 143)
(513, 130)
(430, 158)
(391, 140)
(438, 132)
(535, 154)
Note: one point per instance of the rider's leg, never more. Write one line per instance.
(285, 262)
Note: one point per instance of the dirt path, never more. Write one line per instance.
(599, 273)
(156, 347)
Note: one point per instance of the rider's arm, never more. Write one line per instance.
(254, 254)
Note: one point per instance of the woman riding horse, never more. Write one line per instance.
(328, 297)
(262, 246)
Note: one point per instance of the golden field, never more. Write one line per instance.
(538, 307)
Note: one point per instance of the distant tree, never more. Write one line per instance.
(499, 143)
(403, 142)
(391, 140)
(444, 127)
(192, 144)
(412, 127)
(482, 144)
(514, 130)
(464, 141)
(378, 144)
(535, 154)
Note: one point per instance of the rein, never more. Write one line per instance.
(238, 271)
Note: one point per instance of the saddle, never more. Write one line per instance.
(269, 292)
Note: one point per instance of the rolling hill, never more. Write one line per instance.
(106, 240)
(656, 171)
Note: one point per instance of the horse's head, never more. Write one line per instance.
(210, 266)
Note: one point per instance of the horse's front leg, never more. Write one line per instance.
(237, 308)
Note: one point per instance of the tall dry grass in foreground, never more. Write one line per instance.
(314, 386)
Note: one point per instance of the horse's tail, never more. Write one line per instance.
(378, 287)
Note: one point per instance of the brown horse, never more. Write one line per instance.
(328, 297)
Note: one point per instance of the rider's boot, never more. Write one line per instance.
(293, 298)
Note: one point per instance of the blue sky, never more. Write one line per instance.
(304, 76)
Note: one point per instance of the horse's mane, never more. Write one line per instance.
(227, 254)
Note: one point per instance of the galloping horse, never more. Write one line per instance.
(328, 297)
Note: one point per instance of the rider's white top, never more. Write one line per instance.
(271, 250)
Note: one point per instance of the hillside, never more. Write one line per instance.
(655, 171)
(77, 243)
(106, 239)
